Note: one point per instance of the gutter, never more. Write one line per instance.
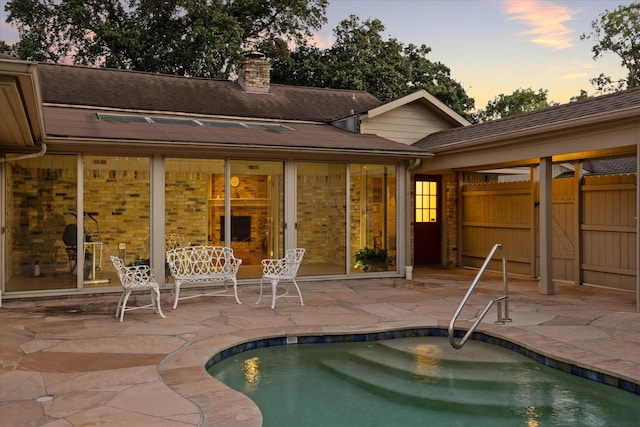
(232, 146)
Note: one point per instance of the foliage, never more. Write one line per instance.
(183, 37)
(519, 102)
(618, 32)
(362, 59)
(583, 95)
(366, 257)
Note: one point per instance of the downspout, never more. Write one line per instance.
(408, 214)
(42, 152)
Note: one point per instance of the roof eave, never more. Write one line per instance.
(398, 154)
(20, 91)
(591, 120)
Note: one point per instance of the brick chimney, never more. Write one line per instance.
(255, 73)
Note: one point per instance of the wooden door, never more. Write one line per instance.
(427, 247)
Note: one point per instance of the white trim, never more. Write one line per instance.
(416, 96)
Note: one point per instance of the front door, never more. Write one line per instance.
(427, 247)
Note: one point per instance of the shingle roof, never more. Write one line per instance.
(84, 124)
(100, 87)
(584, 109)
(611, 166)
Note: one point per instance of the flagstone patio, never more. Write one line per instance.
(69, 362)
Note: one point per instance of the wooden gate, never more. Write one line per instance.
(498, 213)
(594, 228)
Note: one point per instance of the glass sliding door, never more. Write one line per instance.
(116, 213)
(373, 217)
(40, 241)
(194, 197)
(321, 217)
(254, 226)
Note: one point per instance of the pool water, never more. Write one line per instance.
(418, 382)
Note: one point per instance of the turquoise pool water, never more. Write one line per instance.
(418, 382)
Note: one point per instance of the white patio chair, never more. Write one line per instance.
(279, 270)
(136, 278)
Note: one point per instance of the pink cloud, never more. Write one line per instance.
(321, 42)
(315, 40)
(546, 19)
(8, 33)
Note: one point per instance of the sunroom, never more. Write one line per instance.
(133, 163)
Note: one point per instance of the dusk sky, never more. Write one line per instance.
(492, 47)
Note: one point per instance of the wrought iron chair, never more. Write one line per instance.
(136, 278)
(282, 270)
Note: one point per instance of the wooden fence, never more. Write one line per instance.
(594, 228)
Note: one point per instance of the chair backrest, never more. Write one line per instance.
(120, 269)
(174, 240)
(202, 260)
(292, 261)
(138, 276)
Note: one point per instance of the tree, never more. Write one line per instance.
(618, 32)
(362, 59)
(519, 102)
(583, 95)
(202, 38)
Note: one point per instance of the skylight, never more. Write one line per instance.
(130, 118)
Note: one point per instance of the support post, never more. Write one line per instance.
(545, 284)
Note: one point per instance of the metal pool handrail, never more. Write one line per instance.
(499, 300)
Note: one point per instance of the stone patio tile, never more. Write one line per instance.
(116, 379)
(574, 332)
(39, 345)
(155, 399)
(22, 414)
(82, 362)
(18, 385)
(123, 344)
(270, 320)
(108, 416)
(58, 423)
(161, 328)
(79, 331)
(65, 404)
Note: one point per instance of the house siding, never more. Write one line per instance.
(406, 124)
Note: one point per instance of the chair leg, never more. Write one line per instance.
(176, 288)
(298, 289)
(124, 304)
(155, 298)
(260, 297)
(120, 303)
(274, 286)
(235, 290)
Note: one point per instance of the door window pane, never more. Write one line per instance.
(426, 201)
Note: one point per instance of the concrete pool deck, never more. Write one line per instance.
(69, 362)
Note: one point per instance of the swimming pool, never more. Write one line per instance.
(417, 381)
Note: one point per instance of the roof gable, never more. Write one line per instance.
(424, 98)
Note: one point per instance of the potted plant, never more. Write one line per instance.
(372, 259)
